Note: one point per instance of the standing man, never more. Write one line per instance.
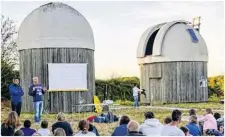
(37, 91)
(136, 92)
(16, 93)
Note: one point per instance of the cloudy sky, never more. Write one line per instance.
(118, 26)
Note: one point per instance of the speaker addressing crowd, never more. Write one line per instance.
(37, 91)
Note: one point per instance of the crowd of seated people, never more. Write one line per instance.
(208, 124)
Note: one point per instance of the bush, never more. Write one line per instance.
(216, 86)
(118, 88)
(215, 98)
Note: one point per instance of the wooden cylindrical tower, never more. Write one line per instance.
(55, 33)
(173, 64)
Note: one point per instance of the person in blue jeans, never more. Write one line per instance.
(136, 91)
(37, 91)
(16, 93)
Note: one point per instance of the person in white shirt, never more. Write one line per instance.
(44, 131)
(151, 125)
(171, 129)
(136, 91)
(83, 129)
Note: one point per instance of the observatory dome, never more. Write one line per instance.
(172, 41)
(55, 25)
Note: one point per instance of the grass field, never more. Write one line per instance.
(212, 105)
(107, 129)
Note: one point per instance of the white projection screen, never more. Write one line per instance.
(67, 77)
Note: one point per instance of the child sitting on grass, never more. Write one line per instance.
(167, 120)
(186, 131)
(193, 127)
(209, 121)
(27, 130)
(44, 131)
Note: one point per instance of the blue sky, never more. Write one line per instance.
(118, 26)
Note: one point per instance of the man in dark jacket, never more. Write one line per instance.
(37, 91)
(16, 93)
(133, 129)
(62, 123)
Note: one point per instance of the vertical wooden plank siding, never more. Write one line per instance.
(33, 62)
(174, 82)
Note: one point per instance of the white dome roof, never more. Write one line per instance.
(55, 25)
(172, 43)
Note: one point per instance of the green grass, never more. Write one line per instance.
(107, 129)
(104, 129)
(212, 105)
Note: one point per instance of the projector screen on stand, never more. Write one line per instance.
(67, 76)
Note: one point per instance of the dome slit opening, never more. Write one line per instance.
(150, 43)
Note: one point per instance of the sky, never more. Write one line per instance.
(118, 26)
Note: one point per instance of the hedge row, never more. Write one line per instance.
(117, 88)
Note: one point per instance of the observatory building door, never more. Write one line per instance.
(155, 91)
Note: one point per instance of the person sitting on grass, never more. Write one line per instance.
(220, 122)
(121, 130)
(151, 125)
(217, 115)
(26, 129)
(19, 133)
(171, 129)
(59, 132)
(9, 126)
(61, 123)
(92, 128)
(44, 131)
(193, 127)
(192, 112)
(133, 129)
(209, 121)
(167, 120)
(185, 130)
(83, 129)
